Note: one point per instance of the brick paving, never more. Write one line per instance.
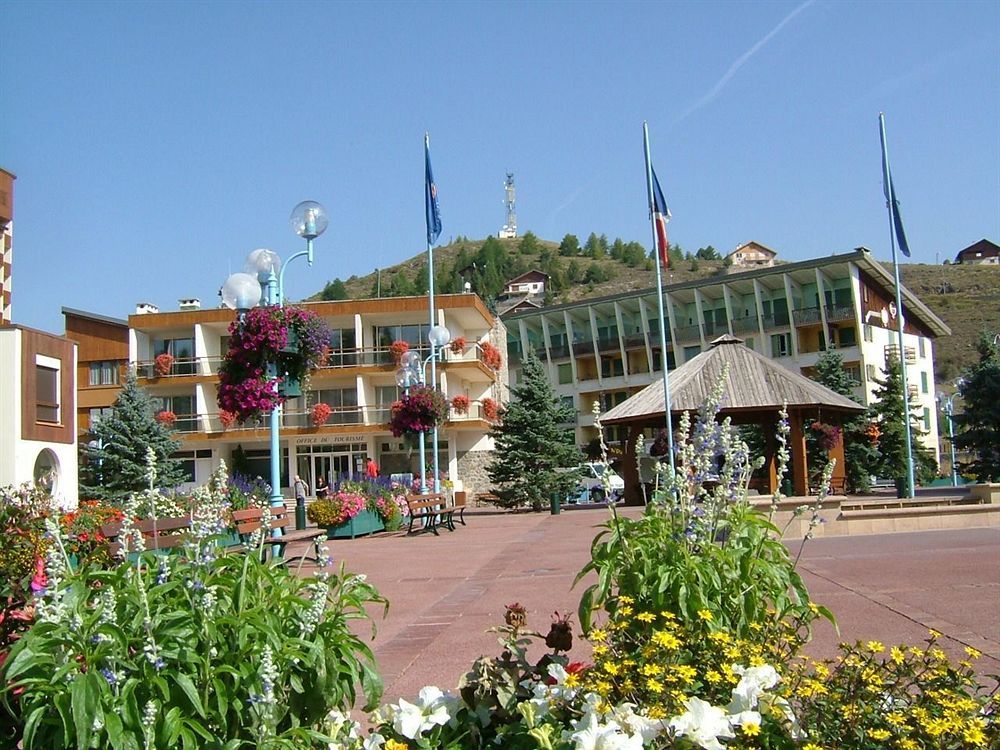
(446, 591)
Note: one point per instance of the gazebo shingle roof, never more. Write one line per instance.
(754, 383)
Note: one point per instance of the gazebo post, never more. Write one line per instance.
(771, 456)
(797, 449)
(630, 471)
(838, 480)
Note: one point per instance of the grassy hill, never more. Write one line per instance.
(966, 298)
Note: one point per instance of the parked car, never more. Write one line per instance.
(591, 487)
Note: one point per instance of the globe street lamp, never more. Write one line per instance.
(407, 376)
(264, 268)
(439, 336)
(946, 403)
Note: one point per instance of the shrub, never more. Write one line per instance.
(81, 529)
(191, 650)
(336, 509)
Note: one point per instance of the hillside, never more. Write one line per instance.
(966, 298)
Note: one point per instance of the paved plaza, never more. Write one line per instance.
(446, 591)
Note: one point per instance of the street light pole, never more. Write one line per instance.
(947, 405)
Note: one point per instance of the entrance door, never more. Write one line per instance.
(341, 466)
(322, 466)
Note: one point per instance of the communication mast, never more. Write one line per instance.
(509, 230)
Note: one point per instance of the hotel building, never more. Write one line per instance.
(607, 349)
(358, 383)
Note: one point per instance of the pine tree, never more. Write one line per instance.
(978, 426)
(859, 453)
(334, 290)
(888, 409)
(534, 455)
(114, 461)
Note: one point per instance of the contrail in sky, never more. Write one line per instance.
(740, 61)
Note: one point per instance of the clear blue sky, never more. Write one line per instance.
(156, 144)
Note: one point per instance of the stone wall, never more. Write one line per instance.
(472, 466)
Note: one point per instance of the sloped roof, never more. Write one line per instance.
(754, 383)
(760, 245)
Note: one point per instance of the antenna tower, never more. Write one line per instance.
(509, 230)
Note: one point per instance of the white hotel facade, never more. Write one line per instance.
(607, 349)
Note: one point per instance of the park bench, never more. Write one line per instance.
(157, 533)
(248, 521)
(434, 510)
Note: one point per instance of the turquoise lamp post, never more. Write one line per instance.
(265, 268)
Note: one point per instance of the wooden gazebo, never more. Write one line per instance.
(754, 391)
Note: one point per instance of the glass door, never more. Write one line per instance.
(340, 466)
(322, 466)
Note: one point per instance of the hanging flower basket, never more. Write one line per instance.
(320, 413)
(491, 410)
(163, 364)
(397, 349)
(491, 355)
(285, 340)
(418, 411)
(227, 418)
(460, 404)
(166, 418)
(458, 345)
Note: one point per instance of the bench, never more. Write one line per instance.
(434, 510)
(157, 533)
(248, 521)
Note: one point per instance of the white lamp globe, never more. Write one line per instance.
(261, 262)
(410, 360)
(439, 336)
(241, 291)
(309, 220)
(404, 377)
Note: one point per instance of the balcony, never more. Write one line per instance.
(839, 313)
(608, 345)
(778, 320)
(892, 352)
(745, 325)
(688, 333)
(807, 316)
(559, 352)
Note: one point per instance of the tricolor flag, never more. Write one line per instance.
(661, 215)
(890, 194)
(430, 196)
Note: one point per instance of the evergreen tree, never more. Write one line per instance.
(618, 249)
(707, 253)
(859, 453)
(888, 410)
(113, 463)
(570, 246)
(334, 290)
(535, 455)
(593, 248)
(529, 244)
(978, 426)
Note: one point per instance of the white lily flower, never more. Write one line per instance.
(703, 724)
(754, 681)
(590, 734)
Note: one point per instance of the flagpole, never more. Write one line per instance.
(433, 322)
(659, 297)
(890, 202)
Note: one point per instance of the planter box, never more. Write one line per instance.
(366, 522)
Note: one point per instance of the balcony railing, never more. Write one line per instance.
(840, 312)
(807, 316)
(608, 344)
(745, 325)
(687, 333)
(892, 352)
(777, 320)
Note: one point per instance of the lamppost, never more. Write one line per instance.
(946, 403)
(264, 269)
(412, 371)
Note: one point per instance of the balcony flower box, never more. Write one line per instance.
(163, 364)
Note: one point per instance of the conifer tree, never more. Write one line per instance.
(535, 455)
(978, 426)
(859, 453)
(888, 410)
(114, 460)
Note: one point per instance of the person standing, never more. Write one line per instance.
(322, 487)
(371, 469)
(301, 489)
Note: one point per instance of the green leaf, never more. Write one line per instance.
(185, 684)
(84, 694)
(113, 725)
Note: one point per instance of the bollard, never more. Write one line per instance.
(300, 513)
(554, 501)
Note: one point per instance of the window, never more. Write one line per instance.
(749, 343)
(923, 351)
(612, 367)
(47, 398)
(567, 402)
(342, 346)
(565, 373)
(927, 419)
(344, 402)
(187, 463)
(848, 337)
(923, 382)
(871, 372)
(853, 372)
(869, 334)
(183, 354)
(690, 352)
(104, 373)
(780, 345)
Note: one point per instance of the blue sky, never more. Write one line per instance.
(156, 144)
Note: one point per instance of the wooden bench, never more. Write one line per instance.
(157, 533)
(434, 510)
(249, 520)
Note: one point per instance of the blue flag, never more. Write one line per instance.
(890, 194)
(430, 197)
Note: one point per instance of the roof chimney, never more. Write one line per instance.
(144, 308)
(189, 303)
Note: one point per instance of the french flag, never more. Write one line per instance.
(661, 215)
